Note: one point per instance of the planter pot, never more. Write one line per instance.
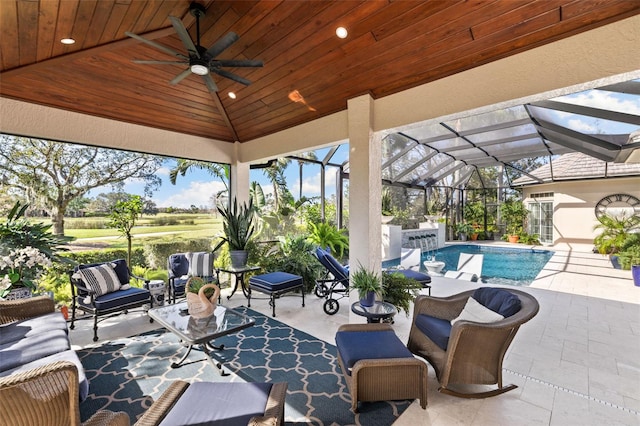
(18, 293)
(474, 237)
(367, 302)
(635, 272)
(514, 238)
(614, 262)
(386, 219)
(463, 237)
(238, 258)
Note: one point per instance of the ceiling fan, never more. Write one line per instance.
(201, 61)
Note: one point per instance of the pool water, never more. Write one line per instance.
(501, 265)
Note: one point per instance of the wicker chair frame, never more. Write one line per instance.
(273, 414)
(384, 379)
(475, 351)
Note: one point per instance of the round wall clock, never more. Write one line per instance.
(618, 205)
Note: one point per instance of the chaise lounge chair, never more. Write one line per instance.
(336, 280)
(469, 267)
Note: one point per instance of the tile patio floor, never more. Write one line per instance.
(576, 363)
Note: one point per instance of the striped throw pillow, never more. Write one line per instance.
(200, 264)
(101, 279)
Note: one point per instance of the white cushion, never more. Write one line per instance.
(101, 279)
(474, 311)
(200, 264)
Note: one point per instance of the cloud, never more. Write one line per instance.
(163, 171)
(604, 100)
(311, 185)
(198, 193)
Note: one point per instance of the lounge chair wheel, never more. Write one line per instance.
(320, 290)
(331, 306)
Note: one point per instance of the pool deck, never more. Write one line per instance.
(576, 363)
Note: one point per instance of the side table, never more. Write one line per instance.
(239, 274)
(376, 313)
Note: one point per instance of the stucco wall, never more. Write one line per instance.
(574, 207)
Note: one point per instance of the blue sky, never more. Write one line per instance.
(197, 186)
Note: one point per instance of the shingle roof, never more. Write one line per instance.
(575, 166)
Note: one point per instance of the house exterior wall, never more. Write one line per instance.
(574, 205)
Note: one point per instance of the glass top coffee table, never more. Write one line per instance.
(200, 331)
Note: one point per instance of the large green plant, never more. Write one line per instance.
(513, 214)
(237, 224)
(399, 290)
(474, 213)
(123, 217)
(294, 255)
(614, 232)
(326, 235)
(364, 281)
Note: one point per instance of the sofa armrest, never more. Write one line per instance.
(15, 310)
(108, 418)
(159, 409)
(274, 410)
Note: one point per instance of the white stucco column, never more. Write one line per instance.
(239, 179)
(365, 189)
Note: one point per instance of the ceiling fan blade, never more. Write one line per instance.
(211, 85)
(143, 61)
(181, 76)
(156, 45)
(222, 44)
(231, 76)
(184, 36)
(237, 63)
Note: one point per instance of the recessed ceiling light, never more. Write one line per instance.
(67, 41)
(341, 32)
(232, 95)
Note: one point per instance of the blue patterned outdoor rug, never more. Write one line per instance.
(128, 374)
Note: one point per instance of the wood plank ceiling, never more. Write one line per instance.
(392, 46)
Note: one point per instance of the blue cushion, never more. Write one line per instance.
(329, 262)
(436, 329)
(31, 326)
(498, 300)
(178, 265)
(19, 352)
(228, 404)
(122, 298)
(354, 346)
(275, 281)
(421, 277)
(178, 285)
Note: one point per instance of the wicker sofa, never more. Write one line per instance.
(33, 335)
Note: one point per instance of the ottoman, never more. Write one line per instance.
(274, 284)
(377, 366)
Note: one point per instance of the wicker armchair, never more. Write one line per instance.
(273, 413)
(475, 351)
(48, 396)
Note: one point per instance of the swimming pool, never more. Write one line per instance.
(511, 266)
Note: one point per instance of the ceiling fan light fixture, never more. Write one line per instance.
(199, 69)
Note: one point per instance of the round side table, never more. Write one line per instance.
(376, 313)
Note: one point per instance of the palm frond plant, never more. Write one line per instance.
(399, 290)
(326, 235)
(614, 232)
(367, 283)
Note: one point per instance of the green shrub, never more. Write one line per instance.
(156, 254)
(87, 224)
(399, 290)
(295, 256)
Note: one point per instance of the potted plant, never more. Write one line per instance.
(513, 213)
(367, 283)
(238, 227)
(629, 256)
(614, 233)
(463, 229)
(399, 290)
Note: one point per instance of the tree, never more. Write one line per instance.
(53, 174)
(221, 171)
(275, 173)
(123, 218)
